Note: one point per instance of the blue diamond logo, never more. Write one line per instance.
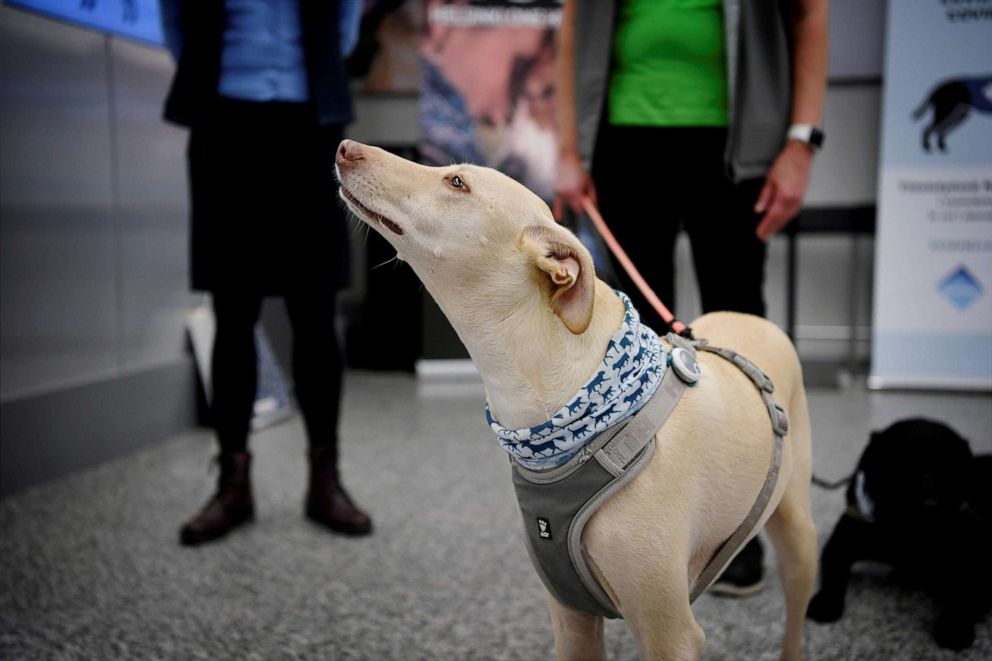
(961, 288)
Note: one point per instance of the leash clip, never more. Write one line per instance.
(684, 363)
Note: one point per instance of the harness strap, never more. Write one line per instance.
(556, 503)
(617, 457)
(780, 426)
(617, 454)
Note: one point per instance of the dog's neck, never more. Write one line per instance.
(529, 362)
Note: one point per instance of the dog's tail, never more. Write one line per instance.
(832, 486)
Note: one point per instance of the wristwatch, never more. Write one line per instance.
(807, 134)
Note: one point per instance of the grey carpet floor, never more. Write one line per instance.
(90, 567)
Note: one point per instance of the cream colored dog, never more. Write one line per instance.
(521, 293)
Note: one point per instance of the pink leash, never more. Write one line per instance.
(632, 271)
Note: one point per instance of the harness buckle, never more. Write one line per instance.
(780, 421)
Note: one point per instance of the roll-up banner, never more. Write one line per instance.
(932, 325)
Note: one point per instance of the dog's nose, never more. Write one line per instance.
(349, 151)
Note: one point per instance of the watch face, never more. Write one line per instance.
(816, 137)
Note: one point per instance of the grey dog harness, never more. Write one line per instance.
(556, 504)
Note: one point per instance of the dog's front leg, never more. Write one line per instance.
(577, 635)
(960, 561)
(847, 545)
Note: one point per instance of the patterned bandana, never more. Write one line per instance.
(629, 374)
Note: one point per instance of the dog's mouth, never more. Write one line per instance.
(374, 216)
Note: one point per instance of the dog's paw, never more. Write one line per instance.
(953, 632)
(825, 608)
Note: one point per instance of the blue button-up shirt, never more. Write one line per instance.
(262, 55)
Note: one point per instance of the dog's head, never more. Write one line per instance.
(911, 474)
(469, 229)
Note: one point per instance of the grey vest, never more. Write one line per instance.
(556, 504)
(759, 79)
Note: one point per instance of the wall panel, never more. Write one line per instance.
(152, 209)
(58, 250)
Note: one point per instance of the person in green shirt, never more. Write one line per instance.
(695, 115)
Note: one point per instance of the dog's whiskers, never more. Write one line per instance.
(395, 259)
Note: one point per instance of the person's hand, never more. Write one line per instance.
(785, 185)
(572, 183)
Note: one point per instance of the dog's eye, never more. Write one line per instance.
(456, 182)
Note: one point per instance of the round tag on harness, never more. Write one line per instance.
(685, 365)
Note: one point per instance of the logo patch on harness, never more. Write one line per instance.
(543, 528)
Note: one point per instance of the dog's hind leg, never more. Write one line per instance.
(577, 635)
(793, 532)
(954, 117)
(794, 536)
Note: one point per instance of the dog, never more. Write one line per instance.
(951, 102)
(918, 501)
(522, 294)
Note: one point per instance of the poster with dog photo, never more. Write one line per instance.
(488, 89)
(932, 323)
(387, 55)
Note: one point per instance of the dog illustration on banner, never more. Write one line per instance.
(952, 101)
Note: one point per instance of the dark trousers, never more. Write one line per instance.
(265, 209)
(317, 364)
(266, 221)
(653, 182)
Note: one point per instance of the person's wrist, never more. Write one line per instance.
(800, 148)
(808, 135)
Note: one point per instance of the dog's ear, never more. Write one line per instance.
(569, 272)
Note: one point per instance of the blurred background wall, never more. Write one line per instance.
(92, 250)
(93, 239)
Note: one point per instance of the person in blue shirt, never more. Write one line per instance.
(262, 87)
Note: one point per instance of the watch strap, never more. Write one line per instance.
(807, 134)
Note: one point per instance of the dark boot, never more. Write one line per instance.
(327, 502)
(230, 507)
(745, 575)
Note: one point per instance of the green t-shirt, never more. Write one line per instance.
(669, 65)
